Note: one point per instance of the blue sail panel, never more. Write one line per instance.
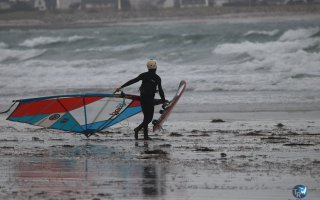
(67, 123)
(94, 126)
(29, 119)
(128, 112)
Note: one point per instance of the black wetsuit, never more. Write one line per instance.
(150, 82)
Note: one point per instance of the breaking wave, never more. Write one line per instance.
(304, 75)
(118, 48)
(43, 40)
(3, 45)
(281, 64)
(291, 44)
(299, 34)
(20, 55)
(267, 33)
(211, 58)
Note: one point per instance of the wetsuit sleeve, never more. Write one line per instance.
(132, 81)
(161, 93)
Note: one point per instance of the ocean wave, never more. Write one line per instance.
(213, 60)
(267, 33)
(285, 64)
(118, 48)
(129, 47)
(299, 34)
(3, 45)
(20, 55)
(285, 47)
(305, 75)
(44, 40)
(96, 76)
(261, 51)
(97, 49)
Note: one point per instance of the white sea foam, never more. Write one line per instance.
(98, 49)
(209, 64)
(3, 45)
(267, 33)
(299, 34)
(129, 47)
(117, 48)
(44, 40)
(263, 50)
(9, 54)
(283, 49)
(37, 74)
(274, 64)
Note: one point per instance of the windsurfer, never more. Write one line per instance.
(150, 82)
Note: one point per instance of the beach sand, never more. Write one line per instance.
(248, 156)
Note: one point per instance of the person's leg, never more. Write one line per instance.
(136, 131)
(147, 106)
(144, 108)
(148, 116)
(138, 128)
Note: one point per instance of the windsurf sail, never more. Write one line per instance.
(86, 114)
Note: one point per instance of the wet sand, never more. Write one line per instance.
(246, 156)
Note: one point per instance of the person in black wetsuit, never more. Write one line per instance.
(150, 82)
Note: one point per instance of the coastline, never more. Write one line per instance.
(81, 19)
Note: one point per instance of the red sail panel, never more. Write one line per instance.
(52, 106)
(135, 103)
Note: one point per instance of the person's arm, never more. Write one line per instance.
(161, 93)
(132, 81)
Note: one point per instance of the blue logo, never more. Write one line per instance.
(300, 191)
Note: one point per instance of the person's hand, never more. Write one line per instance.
(165, 104)
(117, 90)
